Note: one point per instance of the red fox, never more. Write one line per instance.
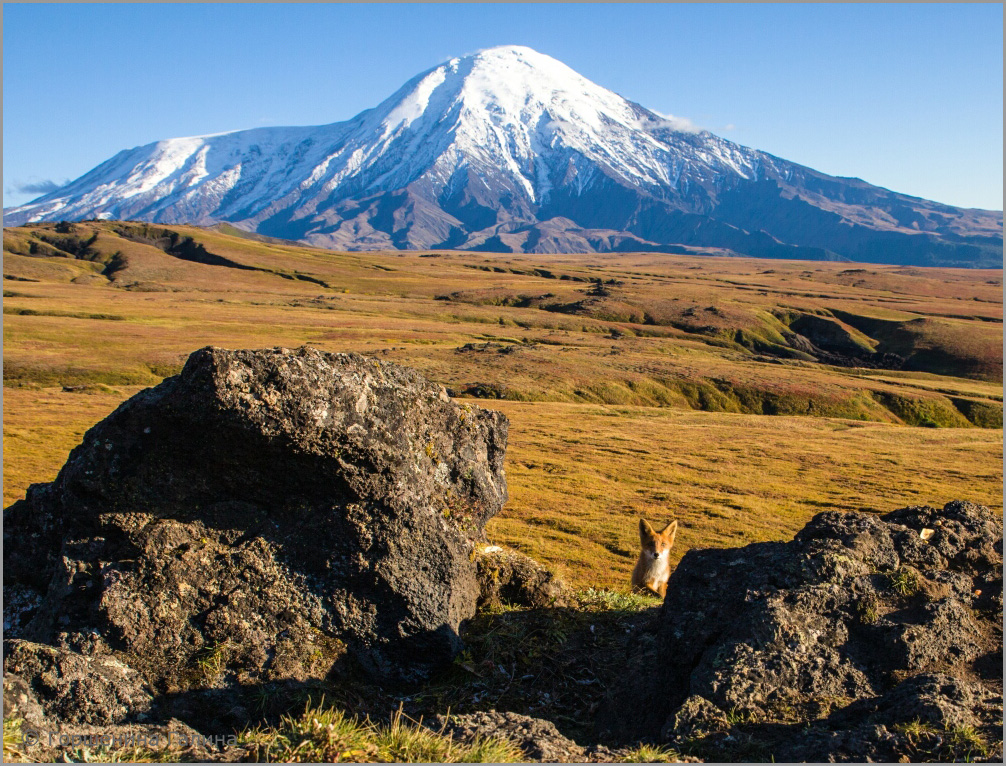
(653, 568)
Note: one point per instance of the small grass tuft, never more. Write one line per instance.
(914, 728)
(966, 743)
(904, 581)
(737, 717)
(13, 741)
(958, 743)
(213, 661)
(327, 735)
(650, 754)
(866, 609)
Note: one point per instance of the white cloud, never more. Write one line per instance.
(682, 124)
(34, 187)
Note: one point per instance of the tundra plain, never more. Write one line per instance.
(741, 396)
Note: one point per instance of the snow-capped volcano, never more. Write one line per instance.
(509, 149)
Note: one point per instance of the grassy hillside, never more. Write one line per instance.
(636, 383)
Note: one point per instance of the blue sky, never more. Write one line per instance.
(904, 96)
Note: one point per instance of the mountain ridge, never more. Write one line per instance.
(510, 150)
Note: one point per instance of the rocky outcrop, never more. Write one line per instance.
(76, 688)
(256, 519)
(537, 739)
(509, 577)
(835, 644)
(20, 701)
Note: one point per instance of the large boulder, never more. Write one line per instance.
(862, 624)
(259, 516)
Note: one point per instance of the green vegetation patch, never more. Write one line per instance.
(327, 735)
(930, 412)
(904, 581)
(953, 744)
(984, 414)
(19, 375)
(651, 754)
(56, 313)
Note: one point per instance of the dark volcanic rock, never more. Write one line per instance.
(538, 739)
(697, 717)
(20, 701)
(71, 687)
(249, 519)
(509, 577)
(933, 699)
(860, 625)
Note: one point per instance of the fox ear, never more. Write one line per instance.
(645, 530)
(670, 532)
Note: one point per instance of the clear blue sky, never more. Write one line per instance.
(904, 96)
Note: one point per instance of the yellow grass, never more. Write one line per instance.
(41, 426)
(602, 389)
(580, 475)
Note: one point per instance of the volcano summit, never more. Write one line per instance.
(510, 150)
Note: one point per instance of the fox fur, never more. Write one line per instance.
(653, 567)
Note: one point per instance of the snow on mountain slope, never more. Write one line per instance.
(505, 141)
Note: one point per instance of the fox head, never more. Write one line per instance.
(656, 544)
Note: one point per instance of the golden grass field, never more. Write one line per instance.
(635, 383)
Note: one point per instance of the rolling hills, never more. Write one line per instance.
(739, 395)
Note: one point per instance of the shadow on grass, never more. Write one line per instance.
(553, 663)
